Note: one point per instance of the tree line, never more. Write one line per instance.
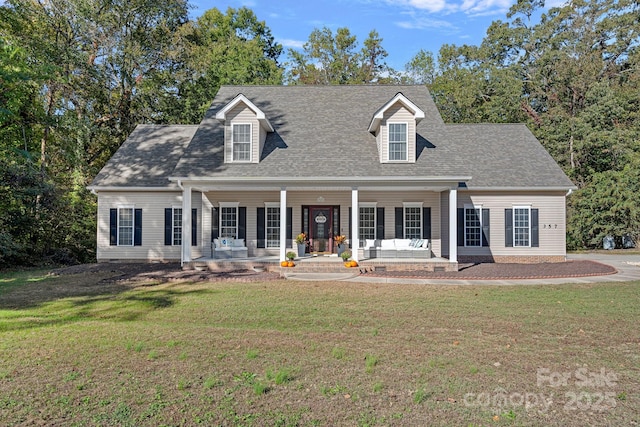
(76, 77)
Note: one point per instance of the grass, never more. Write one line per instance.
(303, 353)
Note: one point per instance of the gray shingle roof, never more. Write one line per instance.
(322, 131)
(147, 158)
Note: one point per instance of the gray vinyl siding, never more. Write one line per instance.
(397, 113)
(153, 205)
(242, 114)
(552, 221)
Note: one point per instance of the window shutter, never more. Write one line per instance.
(426, 223)
(137, 227)
(194, 227)
(215, 220)
(349, 236)
(460, 226)
(289, 227)
(168, 226)
(113, 227)
(399, 223)
(242, 223)
(485, 227)
(508, 228)
(380, 223)
(260, 218)
(535, 238)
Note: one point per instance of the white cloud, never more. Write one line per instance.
(421, 23)
(469, 7)
(295, 44)
(483, 6)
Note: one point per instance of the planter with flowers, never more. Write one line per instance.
(340, 240)
(345, 257)
(289, 262)
(301, 242)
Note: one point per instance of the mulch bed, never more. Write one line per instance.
(491, 271)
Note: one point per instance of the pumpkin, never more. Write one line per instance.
(284, 263)
(290, 264)
(347, 264)
(354, 263)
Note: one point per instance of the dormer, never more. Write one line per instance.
(245, 130)
(394, 126)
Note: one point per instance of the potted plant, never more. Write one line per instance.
(345, 255)
(290, 256)
(340, 241)
(301, 241)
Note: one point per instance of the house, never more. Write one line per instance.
(372, 162)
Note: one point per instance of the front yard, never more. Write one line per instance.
(286, 353)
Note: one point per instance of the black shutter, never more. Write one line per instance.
(289, 227)
(260, 217)
(380, 223)
(215, 219)
(399, 223)
(508, 228)
(350, 213)
(535, 240)
(113, 227)
(168, 226)
(137, 227)
(242, 223)
(485, 227)
(194, 227)
(460, 226)
(426, 223)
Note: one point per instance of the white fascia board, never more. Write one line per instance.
(418, 114)
(565, 188)
(262, 118)
(98, 188)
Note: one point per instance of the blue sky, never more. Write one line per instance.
(406, 26)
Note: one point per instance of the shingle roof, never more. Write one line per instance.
(323, 131)
(147, 158)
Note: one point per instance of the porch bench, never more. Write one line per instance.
(398, 248)
(227, 248)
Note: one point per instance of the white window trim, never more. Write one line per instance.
(375, 214)
(268, 205)
(479, 208)
(227, 205)
(173, 225)
(406, 159)
(133, 225)
(406, 205)
(513, 221)
(250, 142)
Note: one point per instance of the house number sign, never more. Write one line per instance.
(321, 219)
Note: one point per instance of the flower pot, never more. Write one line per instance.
(301, 249)
(341, 249)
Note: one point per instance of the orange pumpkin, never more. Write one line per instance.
(290, 264)
(347, 264)
(354, 263)
(284, 263)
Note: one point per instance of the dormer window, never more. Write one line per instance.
(398, 141)
(241, 141)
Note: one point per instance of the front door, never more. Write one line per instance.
(321, 238)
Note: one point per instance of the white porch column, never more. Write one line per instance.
(186, 224)
(355, 224)
(453, 225)
(283, 223)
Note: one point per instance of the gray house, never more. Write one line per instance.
(374, 163)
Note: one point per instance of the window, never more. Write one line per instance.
(272, 226)
(473, 226)
(241, 139)
(177, 226)
(367, 222)
(125, 226)
(412, 222)
(521, 226)
(397, 141)
(228, 222)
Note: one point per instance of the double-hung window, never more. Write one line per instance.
(228, 221)
(521, 226)
(412, 221)
(125, 226)
(272, 225)
(241, 142)
(473, 226)
(176, 231)
(398, 141)
(367, 224)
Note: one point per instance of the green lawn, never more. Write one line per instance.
(288, 353)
